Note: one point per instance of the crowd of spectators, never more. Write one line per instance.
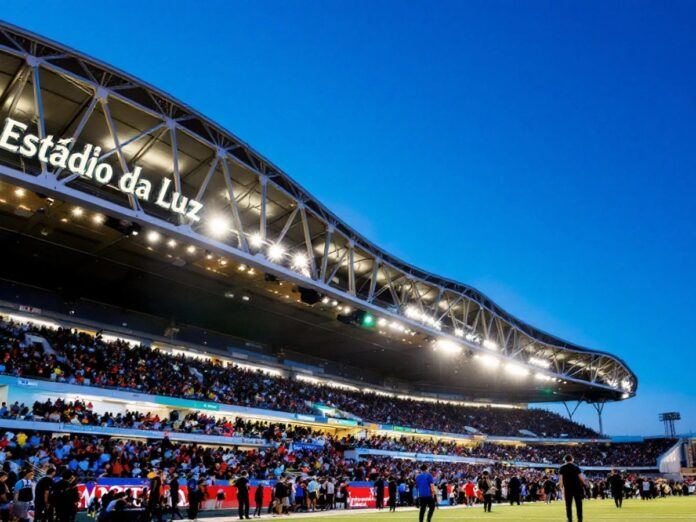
(632, 454)
(82, 413)
(79, 358)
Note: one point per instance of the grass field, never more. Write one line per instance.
(678, 508)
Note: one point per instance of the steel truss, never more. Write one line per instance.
(266, 207)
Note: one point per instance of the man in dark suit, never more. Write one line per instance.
(616, 486)
(572, 483)
(514, 489)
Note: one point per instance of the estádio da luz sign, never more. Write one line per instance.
(86, 164)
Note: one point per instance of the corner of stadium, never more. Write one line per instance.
(176, 308)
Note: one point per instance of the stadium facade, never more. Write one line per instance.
(113, 192)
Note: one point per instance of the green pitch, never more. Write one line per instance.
(677, 508)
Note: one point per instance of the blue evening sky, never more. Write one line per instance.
(543, 152)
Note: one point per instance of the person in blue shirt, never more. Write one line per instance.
(425, 484)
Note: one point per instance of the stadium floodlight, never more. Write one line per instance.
(382, 321)
(368, 320)
(516, 370)
(541, 363)
(256, 240)
(300, 261)
(491, 345)
(191, 249)
(98, 219)
(447, 347)
(488, 361)
(459, 332)
(77, 212)
(153, 236)
(275, 252)
(171, 243)
(218, 226)
(20, 192)
(325, 300)
(542, 377)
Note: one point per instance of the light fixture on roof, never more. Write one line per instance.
(191, 249)
(516, 370)
(459, 332)
(299, 261)
(491, 345)
(77, 212)
(325, 300)
(382, 321)
(171, 243)
(218, 226)
(542, 377)
(256, 240)
(488, 361)
(20, 192)
(275, 252)
(153, 236)
(98, 219)
(541, 363)
(447, 347)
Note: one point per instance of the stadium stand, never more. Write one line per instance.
(79, 358)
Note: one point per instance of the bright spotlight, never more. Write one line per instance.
(488, 361)
(191, 249)
(153, 237)
(77, 212)
(20, 192)
(516, 370)
(256, 240)
(171, 243)
(275, 252)
(98, 219)
(447, 347)
(382, 321)
(218, 226)
(459, 332)
(541, 363)
(491, 345)
(299, 261)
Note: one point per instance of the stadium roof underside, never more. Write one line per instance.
(258, 232)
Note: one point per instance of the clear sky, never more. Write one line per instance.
(543, 152)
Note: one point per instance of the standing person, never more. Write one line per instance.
(379, 491)
(616, 486)
(67, 497)
(174, 494)
(549, 489)
(5, 498)
(393, 494)
(43, 496)
(330, 493)
(196, 496)
(258, 499)
(425, 485)
(487, 487)
(514, 490)
(572, 484)
(470, 493)
(154, 501)
(242, 485)
(24, 496)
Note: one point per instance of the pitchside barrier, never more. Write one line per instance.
(361, 494)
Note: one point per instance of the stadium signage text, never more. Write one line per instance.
(87, 165)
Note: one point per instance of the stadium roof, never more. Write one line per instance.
(257, 253)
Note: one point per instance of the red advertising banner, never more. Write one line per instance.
(361, 496)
